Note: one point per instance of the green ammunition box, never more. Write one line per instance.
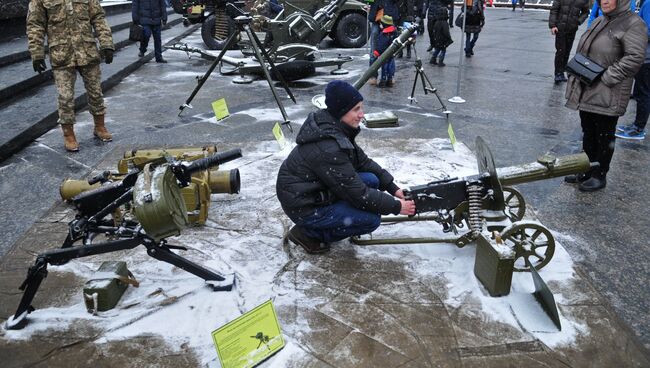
(107, 285)
(385, 119)
(493, 265)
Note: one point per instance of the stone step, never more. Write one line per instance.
(26, 119)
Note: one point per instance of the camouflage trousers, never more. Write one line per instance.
(65, 79)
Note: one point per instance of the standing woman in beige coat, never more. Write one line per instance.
(617, 42)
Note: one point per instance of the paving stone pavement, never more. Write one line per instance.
(356, 310)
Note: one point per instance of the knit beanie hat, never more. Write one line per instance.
(341, 97)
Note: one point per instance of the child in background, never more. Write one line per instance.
(387, 34)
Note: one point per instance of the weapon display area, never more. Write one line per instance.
(142, 249)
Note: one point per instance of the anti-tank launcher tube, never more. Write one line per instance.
(393, 49)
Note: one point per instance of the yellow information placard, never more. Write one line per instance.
(249, 339)
(279, 135)
(452, 136)
(220, 109)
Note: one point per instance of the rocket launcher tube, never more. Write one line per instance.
(214, 160)
(394, 47)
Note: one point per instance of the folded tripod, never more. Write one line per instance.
(242, 22)
(427, 87)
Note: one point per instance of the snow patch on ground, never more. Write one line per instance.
(244, 237)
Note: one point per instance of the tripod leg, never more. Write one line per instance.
(273, 69)
(423, 77)
(435, 92)
(163, 253)
(205, 76)
(266, 72)
(30, 286)
(415, 83)
(38, 272)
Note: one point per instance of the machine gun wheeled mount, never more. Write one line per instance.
(153, 194)
(485, 201)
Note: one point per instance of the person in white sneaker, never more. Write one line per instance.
(636, 130)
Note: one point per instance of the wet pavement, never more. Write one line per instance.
(511, 102)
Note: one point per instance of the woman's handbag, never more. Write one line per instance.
(585, 69)
(135, 32)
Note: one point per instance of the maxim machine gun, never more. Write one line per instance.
(486, 201)
(155, 211)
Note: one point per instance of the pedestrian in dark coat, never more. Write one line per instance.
(150, 14)
(617, 42)
(327, 185)
(436, 10)
(439, 35)
(407, 11)
(473, 24)
(564, 19)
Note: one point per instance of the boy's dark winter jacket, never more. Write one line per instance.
(323, 169)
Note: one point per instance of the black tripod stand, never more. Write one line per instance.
(242, 22)
(427, 87)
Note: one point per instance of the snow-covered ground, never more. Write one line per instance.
(244, 237)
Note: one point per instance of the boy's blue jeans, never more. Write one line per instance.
(340, 219)
(148, 30)
(388, 70)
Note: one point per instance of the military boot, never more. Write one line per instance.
(69, 139)
(100, 129)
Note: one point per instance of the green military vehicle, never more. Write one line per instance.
(349, 28)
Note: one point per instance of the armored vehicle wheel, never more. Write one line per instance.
(529, 240)
(215, 30)
(177, 5)
(351, 30)
(515, 204)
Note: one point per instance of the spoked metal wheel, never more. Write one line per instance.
(515, 204)
(531, 241)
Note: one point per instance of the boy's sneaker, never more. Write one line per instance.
(390, 83)
(381, 84)
(633, 134)
(310, 245)
(625, 128)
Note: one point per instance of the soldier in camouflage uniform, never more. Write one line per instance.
(69, 26)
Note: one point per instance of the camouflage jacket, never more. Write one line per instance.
(69, 26)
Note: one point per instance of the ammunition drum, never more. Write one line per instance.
(70, 188)
(225, 181)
